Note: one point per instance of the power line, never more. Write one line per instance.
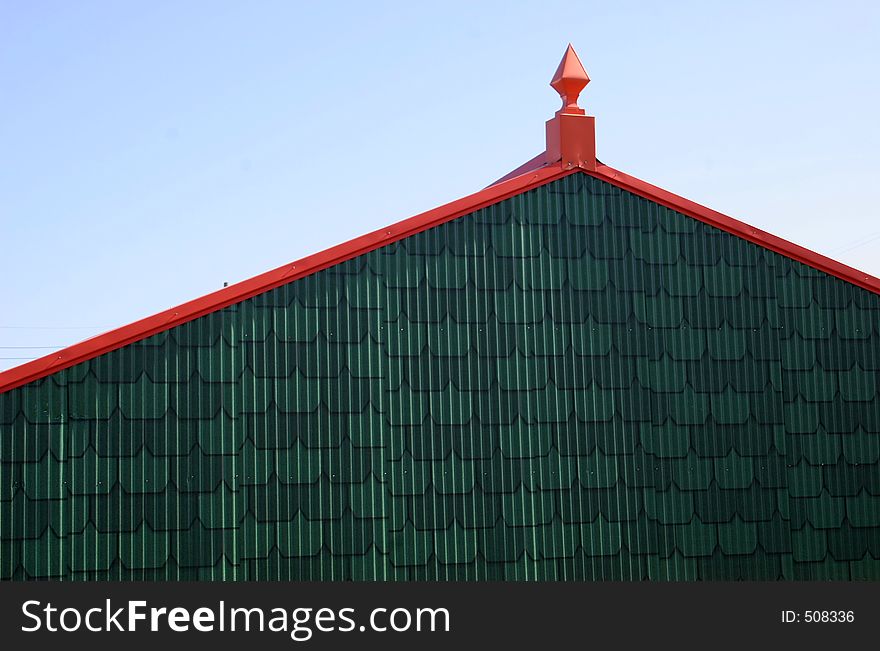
(856, 245)
(50, 328)
(30, 347)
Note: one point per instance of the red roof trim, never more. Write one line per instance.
(736, 227)
(104, 343)
(529, 166)
(128, 334)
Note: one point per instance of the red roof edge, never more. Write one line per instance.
(736, 227)
(104, 343)
(128, 334)
(529, 166)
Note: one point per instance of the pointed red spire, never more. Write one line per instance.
(571, 135)
(569, 80)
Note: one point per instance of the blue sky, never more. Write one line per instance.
(152, 151)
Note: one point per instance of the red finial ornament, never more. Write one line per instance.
(571, 134)
(569, 80)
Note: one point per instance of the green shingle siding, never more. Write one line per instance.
(575, 383)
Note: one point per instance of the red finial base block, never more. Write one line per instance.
(571, 141)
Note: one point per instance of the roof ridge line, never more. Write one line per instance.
(501, 190)
(266, 281)
(736, 227)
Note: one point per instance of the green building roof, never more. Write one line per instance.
(574, 383)
(571, 375)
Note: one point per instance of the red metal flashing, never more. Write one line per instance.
(529, 166)
(736, 227)
(104, 343)
(571, 147)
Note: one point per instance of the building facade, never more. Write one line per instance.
(571, 375)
